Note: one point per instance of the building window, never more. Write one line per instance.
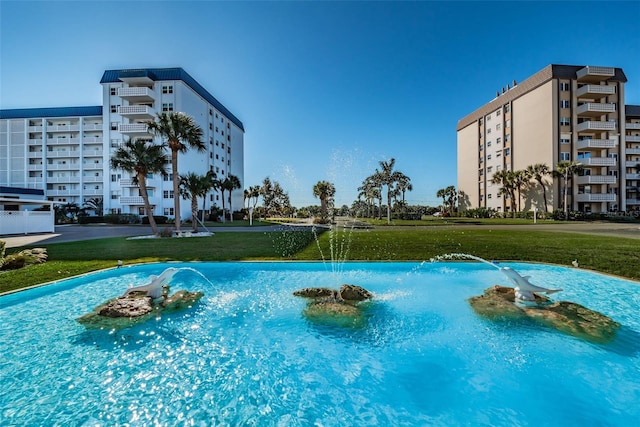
(565, 156)
(564, 87)
(507, 123)
(167, 194)
(507, 151)
(113, 91)
(167, 106)
(565, 141)
(114, 125)
(498, 126)
(488, 118)
(498, 113)
(489, 169)
(489, 196)
(488, 156)
(506, 108)
(489, 130)
(168, 211)
(565, 121)
(564, 103)
(167, 89)
(499, 141)
(114, 108)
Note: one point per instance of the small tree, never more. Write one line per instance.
(325, 191)
(566, 169)
(538, 172)
(193, 186)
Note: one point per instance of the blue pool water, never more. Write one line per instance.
(245, 354)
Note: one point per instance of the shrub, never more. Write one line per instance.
(24, 258)
(85, 219)
(122, 219)
(160, 219)
(166, 232)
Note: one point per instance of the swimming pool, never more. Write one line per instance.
(245, 354)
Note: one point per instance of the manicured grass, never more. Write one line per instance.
(614, 255)
(431, 221)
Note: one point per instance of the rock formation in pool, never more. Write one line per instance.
(139, 304)
(499, 302)
(339, 307)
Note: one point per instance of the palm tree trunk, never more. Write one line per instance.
(388, 205)
(194, 212)
(176, 189)
(224, 215)
(142, 181)
(544, 194)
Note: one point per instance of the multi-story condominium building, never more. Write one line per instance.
(563, 112)
(66, 151)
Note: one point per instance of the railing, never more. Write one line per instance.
(63, 140)
(92, 166)
(63, 128)
(596, 197)
(35, 128)
(133, 128)
(596, 91)
(595, 125)
(595, 71)
(63, 153)
(93, 178)
(35, 141)
(125, 92)
(596, 179)
(92, 192)
(596, 143)
(23, 222)
(131, 200)
(596, 107)
(633, 202)
(124, 182)
(89, 139)
(34, 154)
(63, 167)
(35, 167)
(65, 179)
(74, 192)
(598, 161)
(136, 110)
(631, 163)
(632, 176)
(92, 126)
(632, 150)
(93, 153)
(630, 125)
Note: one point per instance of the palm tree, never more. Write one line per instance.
(566, 169)
(506, 179)
(181, 133)
(96, 205)
(266, 191)
(325, 191)
(538, 172)
(230, 183)
(404, 185)
(193, 186)
(370, 190)
(251, 196)
(519, 180)
(387, 176)
(449, 197)
(141, 159)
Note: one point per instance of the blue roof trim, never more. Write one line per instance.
(28, 113)
(17, 190)
(114, 76)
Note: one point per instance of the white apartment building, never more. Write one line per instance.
(66, 151)
(563, 112)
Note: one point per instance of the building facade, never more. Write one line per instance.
(573, 113)
(66, 151)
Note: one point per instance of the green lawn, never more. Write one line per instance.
(612, 255)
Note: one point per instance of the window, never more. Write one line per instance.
(565, 121)
(488, 118)
(168, 211)
(167, 194)
(488, 156)
(114, 125)
(498, 126)
(565, 103)
(168, 177)
(114, 108)
(113, 91)
(499, 141)
(507, 123)
(506, 108)
(498, 113)
(564, 86)
(488, 143)
(565, 156)
(167, 106)
(507, 151)
(565, 141)
(167, 89)
(210, 112)
(507, 138)
(488, 196)
(498, 168)
(489, 130)
(489, 169)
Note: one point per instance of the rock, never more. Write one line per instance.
(315, 293)
(565, 316)
(133, 309)
(354, 293)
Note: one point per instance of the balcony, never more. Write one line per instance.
(63, 141)
(124, 182)
(136, 94)
(595, 91)
(596, 179)
(62, 167)
(596, 197)
(596, 143)
(632, 176)
(34, 155)
(632, 151)
(596, 125)
(595, 74)
(598, 161)
(630, 125)
(63, 128)
(633, 202)
(92, 139)
(37, 167)
(133, 128)
(93, 192)
(138, 112)
(35, 141)
(63, 179)
(92, 166)
(62, 153)
(92, 153)
(92, 178)
(137, 77)
(73, 192)
(92, 126)
(595, 109)
(132, 200)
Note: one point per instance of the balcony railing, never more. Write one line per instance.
(133, 128)
(90, 139)
(126, 182)
(596, 143)
(35, 141)
(64, 179)
(596, 125)
(93, 192)
(63, 153)
(137, 111)
(62, 166)
(595, 109)
(92, 126)
(63, 128)
(592, 73)
(630, 125)
(598, 161)
(631, 163)
(34, 154)
(596, 197)
(93, 178)
(632, 150)
(63, 140)
(595, 91)
(596, 179)
(136, 93)
(92, 153)
(74, 192)
(632, 176)
(633, 202)
(92, 166)
(132, 200)
(38, 167)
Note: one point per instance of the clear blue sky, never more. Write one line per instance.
(326, 90)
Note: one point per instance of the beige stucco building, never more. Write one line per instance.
(562, 112)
